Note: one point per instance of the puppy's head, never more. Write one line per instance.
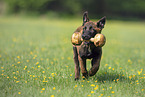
(90, 29)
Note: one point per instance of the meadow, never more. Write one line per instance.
(36, 59)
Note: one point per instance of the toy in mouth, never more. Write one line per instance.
(99, 39)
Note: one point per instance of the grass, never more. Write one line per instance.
(36, 59)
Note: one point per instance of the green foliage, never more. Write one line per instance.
(110, 8)
(36, 59)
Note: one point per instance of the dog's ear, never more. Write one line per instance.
(85, 17)
(101, 22)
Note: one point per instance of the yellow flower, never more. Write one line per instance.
(68, 58)
(75, 86)
(92, 85)
(106, 64)
(18, 57)
(109, 67)
(92, 91)
(52, 95)
(54, 88)
(117, 79)
(17, 81)
(19, 92)
(37, 63)
(43, 89)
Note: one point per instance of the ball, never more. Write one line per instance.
(76, 38)
(99, 40)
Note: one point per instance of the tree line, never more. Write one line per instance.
(111, 8)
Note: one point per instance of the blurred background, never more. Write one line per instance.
(113, 9)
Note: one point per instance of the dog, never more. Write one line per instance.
(87, 49)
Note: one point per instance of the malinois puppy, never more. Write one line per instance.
(87, 49)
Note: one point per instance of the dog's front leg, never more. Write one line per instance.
(76, 61)
(95, 65)
(83, 67)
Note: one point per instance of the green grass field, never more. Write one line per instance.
(36, 59)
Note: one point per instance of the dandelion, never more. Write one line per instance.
(2, 67)
(109, 67)
(43, 89)
(96, 88)
(17, 81)
(37, 63)
(52, 95)
(54, 88)
(68, 58)
(101, 94)
(51, 63)
(75, 86)
(117, 79)
(18, 57)
(92, 85)
(31, 53)
(106, 64)
(92, 91)
(19, 92)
